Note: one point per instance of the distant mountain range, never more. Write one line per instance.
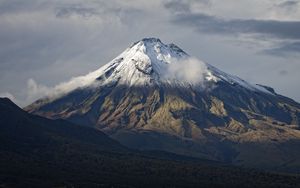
(154, 96)
(38, 152)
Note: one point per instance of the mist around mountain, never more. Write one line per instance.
(154, 96)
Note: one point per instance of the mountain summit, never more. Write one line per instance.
(146, 62)
(156, 96)
(151, 62)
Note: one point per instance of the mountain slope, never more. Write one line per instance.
(37, 152)
(155, 96)
(17, 127)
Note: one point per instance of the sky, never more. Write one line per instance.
(45, 43)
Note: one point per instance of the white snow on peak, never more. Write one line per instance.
(149, 62)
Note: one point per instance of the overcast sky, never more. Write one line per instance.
(44, 43)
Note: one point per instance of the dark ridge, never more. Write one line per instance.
(267, 88)
(176, 48)
(151, 39)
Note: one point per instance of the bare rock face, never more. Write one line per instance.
(155, 96)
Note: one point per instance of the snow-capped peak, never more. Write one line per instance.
(151, 62)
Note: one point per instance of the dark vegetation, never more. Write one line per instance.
(37, 152)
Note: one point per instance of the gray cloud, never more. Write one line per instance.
(287, 9)
(289, 5)
(101, 10)
(82, 11)
(283, 73)
(288, 31)
(183, 6)
(285, 50)
(212, 24)
(177, 6)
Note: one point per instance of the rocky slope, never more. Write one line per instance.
(155, 96)
(38, 152)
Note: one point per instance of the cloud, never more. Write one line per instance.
(283, 73)
(285, 50)
(271, 30)
(214, 25)
(285, 10)
(184, 6)
(288, 5)
(35, 90)
(42, 33)
(178, 6)
(191, 70)
(76, 10)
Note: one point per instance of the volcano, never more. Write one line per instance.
(154, 96)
